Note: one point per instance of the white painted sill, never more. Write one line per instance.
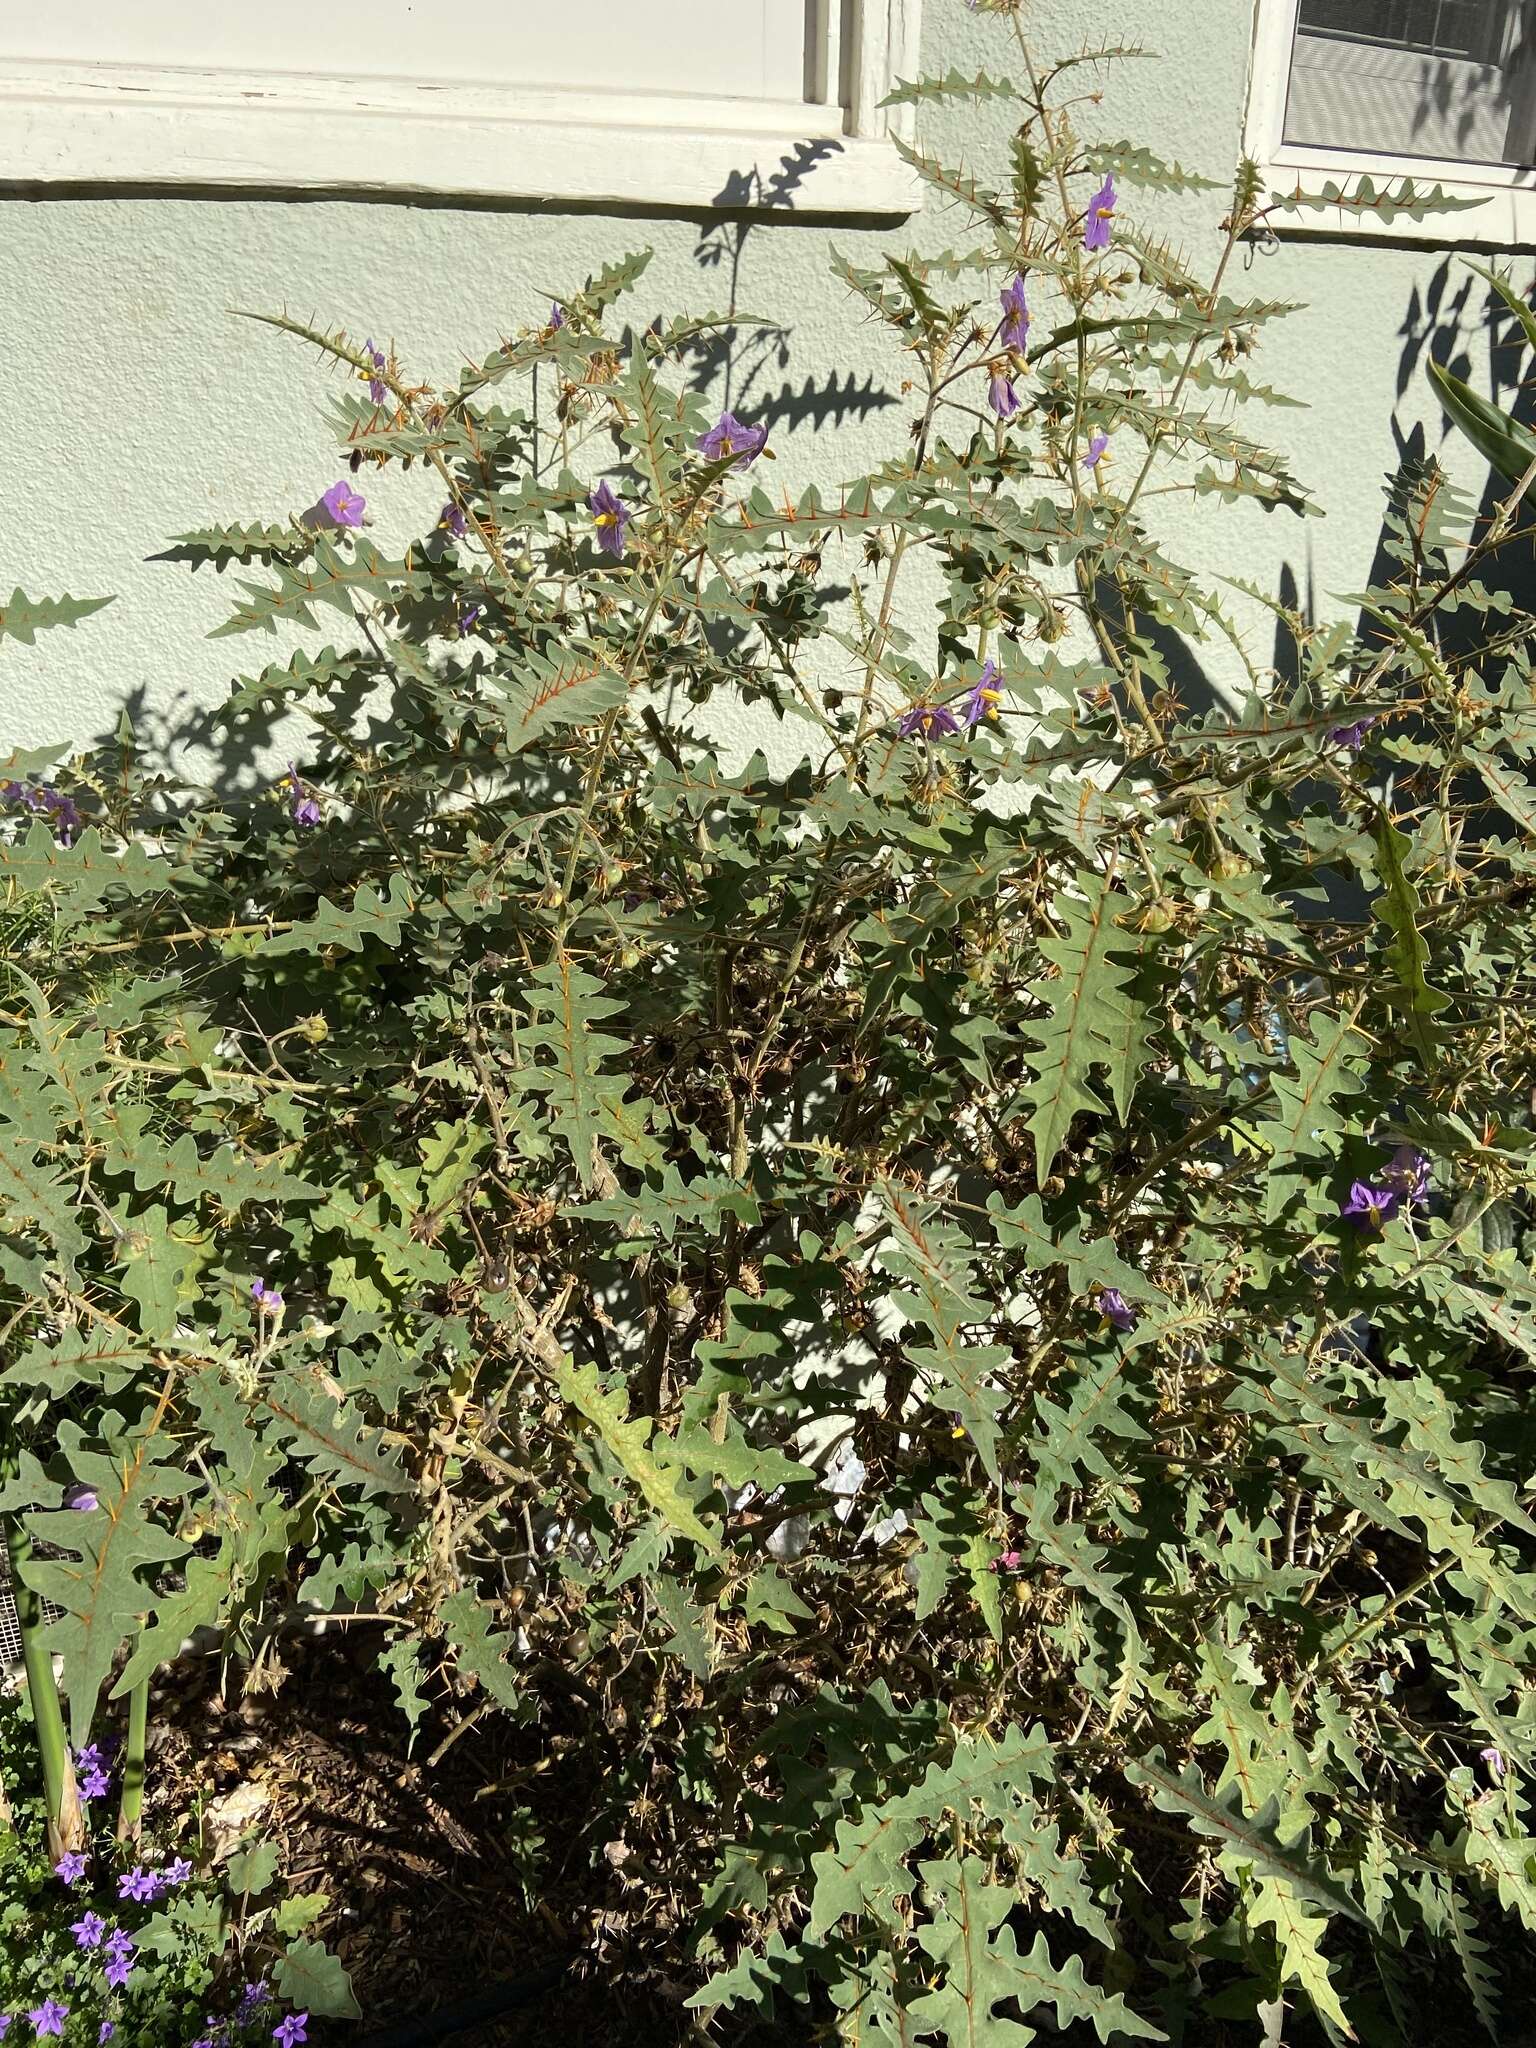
(170, 126)
(1505, 217)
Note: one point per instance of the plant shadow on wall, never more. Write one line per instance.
(434, 1197)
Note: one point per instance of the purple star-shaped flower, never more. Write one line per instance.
(377, 391)
(64, 813)
(982, 699)
(610, 515)
(556, 318)
(104, 2032)
(1001, 396)
(469, 618)
(343, 506)
(290, 2032)
(121, 1950)
(729, 437)
(252, 1999)
(48, 2018)
(92, 1778)
(178, 1871)
(451, 520)
(266, 1298)
(1101, 209)
(1096, 448)
(1015, 328)
(81, 1498)
(89, 1930)
(141, 1885)
(1115, 1309)
(926, 722)
(70, 1867)
(1371, 1206)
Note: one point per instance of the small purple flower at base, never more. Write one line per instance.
(982, 699)
(729, 437)
(1097, 448)
(1101, 208)
(290, 2032)
(48, 2018)
(1001, 396)
(1371, 1206)
(926, 722)
(1115, 1309)
(255, 1995)
(81, 1499)
(556, 318)
(266, 1298)
(62, 810)
(343, 506)
(377, 391)
(451, 520)
(70, 1867)
(1015, 328)
(89, 1930)
(610, 515)
(1494, 1759)
(469, 618)
(180, 1870)
(141, 1885)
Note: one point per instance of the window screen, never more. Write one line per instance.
(1431, 78)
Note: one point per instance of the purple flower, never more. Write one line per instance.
(70, 1867)
(728, 437)
(1015, 330)
(89, 1930)
(104, 2032)
(1352, 737)
(982, 699)
(1096, 221)
(48, 2018)
(343, 506)
(1371, 1206)
(611, 516)
(121, 1951)
(1407, 1173)
(5, 2024)
(1115, 1309)
(304, 808)
(926, 722)
(266, 1298)
(556, 318)
(1001, 396)
(61, 808)
(451, 520)
(179, 1871)
(469, 617)
(252, 1999)
(376, 390)
(1494, 1759)
(1010, 1561)
(1096, 448)
(141, 1885)
(290, 2032)
(81, 1499)
(93, 1779)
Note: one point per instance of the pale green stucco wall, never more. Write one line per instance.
(136, 406)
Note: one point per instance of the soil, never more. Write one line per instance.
(426, 1904)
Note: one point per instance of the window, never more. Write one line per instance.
(1440, 91)
(673, 102)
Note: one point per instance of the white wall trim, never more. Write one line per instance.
(1505, 218)
(172, 126)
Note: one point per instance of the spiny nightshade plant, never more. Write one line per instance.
(948, 1325)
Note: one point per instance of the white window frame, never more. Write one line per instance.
(177, 127)
(1506, 218)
